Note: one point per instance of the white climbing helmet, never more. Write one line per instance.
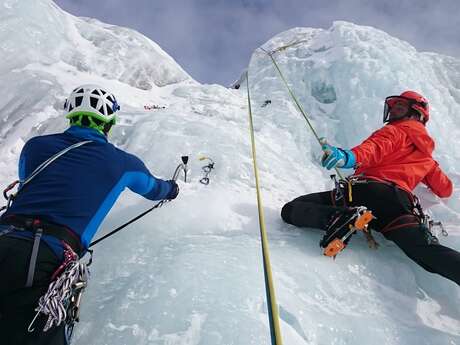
(91, 106)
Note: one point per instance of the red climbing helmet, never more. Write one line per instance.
(405, 105)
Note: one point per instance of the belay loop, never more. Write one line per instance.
(207, 170)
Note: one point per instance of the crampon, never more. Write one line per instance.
(342, 226)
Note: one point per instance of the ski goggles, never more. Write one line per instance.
(398, 107)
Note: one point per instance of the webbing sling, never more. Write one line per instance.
(38, 232)
(37, 171)
(50, 160)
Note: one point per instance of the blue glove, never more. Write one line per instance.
(335, 157)
(174, 190)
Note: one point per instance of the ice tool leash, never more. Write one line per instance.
(273, 315)
(182, 167)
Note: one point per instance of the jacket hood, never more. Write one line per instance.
(418, 134)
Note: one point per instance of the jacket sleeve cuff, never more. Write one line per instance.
(160, 190)
(351, 159)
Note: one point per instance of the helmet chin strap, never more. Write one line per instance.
(107, 128)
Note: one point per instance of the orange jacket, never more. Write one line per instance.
(400, 152)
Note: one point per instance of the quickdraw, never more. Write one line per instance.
(207, 170)
(9, 197)
(431, 224)
(426, 219)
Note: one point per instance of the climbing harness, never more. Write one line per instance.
(10, 197)
(61, 302)
(6, 231)
(206, 170)
(428, 223)
(426, 219)
(273, 315)
(415, 216)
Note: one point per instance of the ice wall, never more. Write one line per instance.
(191, 272)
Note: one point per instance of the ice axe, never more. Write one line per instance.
(181, 167)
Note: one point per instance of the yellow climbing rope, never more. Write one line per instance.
(273, 314)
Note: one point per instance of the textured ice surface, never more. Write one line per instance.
(191, 272)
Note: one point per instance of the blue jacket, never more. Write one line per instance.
(80, 187)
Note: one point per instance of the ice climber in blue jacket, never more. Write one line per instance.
(61, 208)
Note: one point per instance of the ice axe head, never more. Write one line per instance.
(184, 159)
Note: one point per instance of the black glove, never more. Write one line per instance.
(174, 190)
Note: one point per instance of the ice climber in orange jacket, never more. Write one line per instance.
(388, 166)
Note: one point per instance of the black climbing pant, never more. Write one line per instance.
(387, 204)
(17, 303)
